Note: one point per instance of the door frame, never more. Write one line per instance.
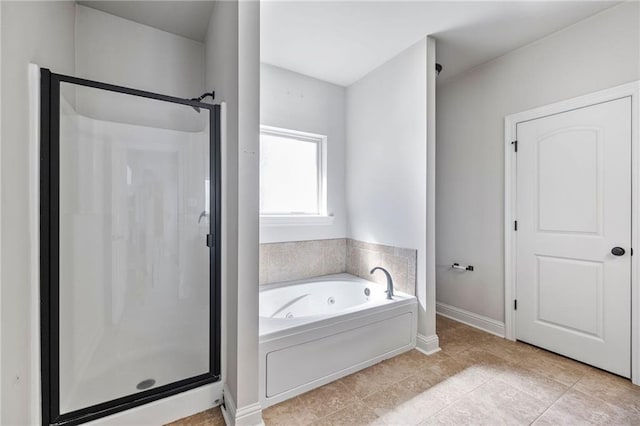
(510, 191)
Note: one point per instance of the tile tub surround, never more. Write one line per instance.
(477, 378)
(400, 262)
(298, 260)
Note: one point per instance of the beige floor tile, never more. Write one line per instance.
(446, 367)
(541, 387)
(510, 351)
(355, 414)
(471, 412)
(515, 403)
(408, 362)
(327, 399)
(379, 376)
(444, 323)
(451, 389)
(478, 357)
(612, 389)
(576, 408)
(436, 357)
(405, 403)
(556, 367)
(396, 394)
(290, 412)
(494, 403)
(365, 382)
(476, 379)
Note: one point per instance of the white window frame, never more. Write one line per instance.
(296, 219)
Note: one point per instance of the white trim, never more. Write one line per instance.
(224, 261)
(228, 406)
(428, 345)
(248, 415)
(630, 89)
(0, 215)
(430, 237)
(472, 319)
(296, 220)
(34, 241)
(509, 236)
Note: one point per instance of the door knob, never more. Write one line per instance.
(617, 251)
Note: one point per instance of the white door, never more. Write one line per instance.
(573, 208)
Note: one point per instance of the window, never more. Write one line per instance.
(292, 175)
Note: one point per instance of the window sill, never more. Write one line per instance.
(296, 220)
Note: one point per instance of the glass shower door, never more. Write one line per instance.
(133, 276)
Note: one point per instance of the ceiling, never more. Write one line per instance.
(189, 19)
(340, 42)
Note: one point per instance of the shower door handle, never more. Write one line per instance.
(209, 240)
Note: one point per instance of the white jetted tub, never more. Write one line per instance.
(317, 330)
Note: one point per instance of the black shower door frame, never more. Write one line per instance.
(50, 257)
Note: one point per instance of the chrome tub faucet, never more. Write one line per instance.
(389, 281)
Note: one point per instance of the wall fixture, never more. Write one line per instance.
(462, 267)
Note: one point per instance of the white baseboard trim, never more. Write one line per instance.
(428, 345)
(469, 318)
(228, 407)
(249, 415)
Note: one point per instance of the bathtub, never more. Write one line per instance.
(317, 330)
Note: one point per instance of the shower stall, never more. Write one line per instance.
(130, 247)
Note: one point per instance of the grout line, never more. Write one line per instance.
(458, 399)
(552, 404)
(596, 396)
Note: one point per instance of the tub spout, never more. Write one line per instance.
(389, 281)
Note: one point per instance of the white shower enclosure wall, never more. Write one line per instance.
(131, 302)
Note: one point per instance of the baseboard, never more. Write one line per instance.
(249, 415)
(469, 318)
(428, 345)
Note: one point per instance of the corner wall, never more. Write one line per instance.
(387, 175)
(123, 52)
(233, 71)
(600, 52)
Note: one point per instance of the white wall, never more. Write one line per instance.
(248, 210)
(294, 101)
(386, 167)
(40, 32)
(114, 50)
(233, 70)
(118, 51)
(597, 53)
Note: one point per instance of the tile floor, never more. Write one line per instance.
(476, 379)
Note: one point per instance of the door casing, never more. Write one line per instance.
(510, 188)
